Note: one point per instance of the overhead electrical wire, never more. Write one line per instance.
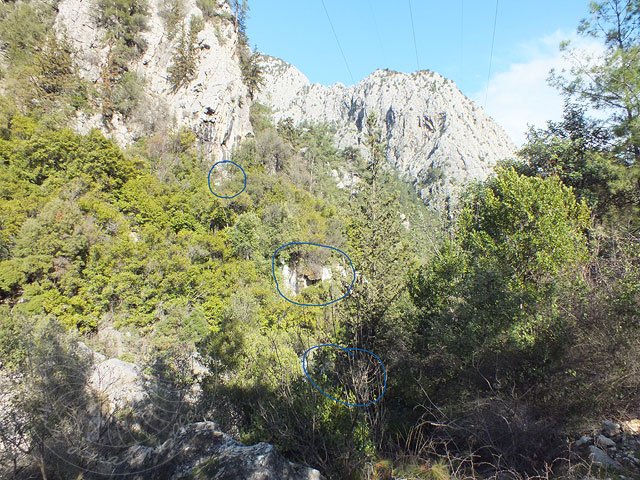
(493, 38)
(413, 29)
(344, 57)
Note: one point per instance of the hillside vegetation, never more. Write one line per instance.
(506, 332)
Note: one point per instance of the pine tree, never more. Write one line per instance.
(185, 60)
(379, 251)
(610, 83)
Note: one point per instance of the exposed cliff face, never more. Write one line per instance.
(437, 138)
(214, 104)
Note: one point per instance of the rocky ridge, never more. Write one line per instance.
(438, 139)
(214, 104)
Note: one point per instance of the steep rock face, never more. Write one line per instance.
(438, 139)
(296, 281)
(214, 104)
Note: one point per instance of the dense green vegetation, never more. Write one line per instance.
(38, 73)
(505, 333)
(95, 237)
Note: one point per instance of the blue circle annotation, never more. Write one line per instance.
(244, 179)
(273, 271)
(350, 351)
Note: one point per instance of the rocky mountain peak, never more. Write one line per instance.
(438, 139)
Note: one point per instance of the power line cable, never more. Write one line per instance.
(413, 29)
(344, 57)
(493, 38)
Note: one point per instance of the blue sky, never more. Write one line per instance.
(453, 38)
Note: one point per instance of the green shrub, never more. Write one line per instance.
(247, 237)
(24, 26)
(519, 243)
(40, 76)
(124, 21)
(127, 93)
(209, 8)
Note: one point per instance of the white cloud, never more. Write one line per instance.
(520, 95)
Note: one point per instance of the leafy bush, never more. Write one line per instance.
(124, 21)
(520, 241)
(247, 237)
(209, 8)
(40, 75)
(23, 27)
(127, 93)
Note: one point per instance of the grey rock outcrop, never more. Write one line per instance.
(600, 457)
(214, 104)
(126, 430)
(437, 138)
(200, 450)
(604, 442)
(120, 382)
(610, 428)
(584, 440)
(196, 450)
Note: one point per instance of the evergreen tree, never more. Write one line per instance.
(377, 243)
(124, 21)
(578, 151)
(600, 158)
(185, 59)
(251, 71)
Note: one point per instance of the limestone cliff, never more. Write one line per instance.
(438, 139)
(214, 104)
